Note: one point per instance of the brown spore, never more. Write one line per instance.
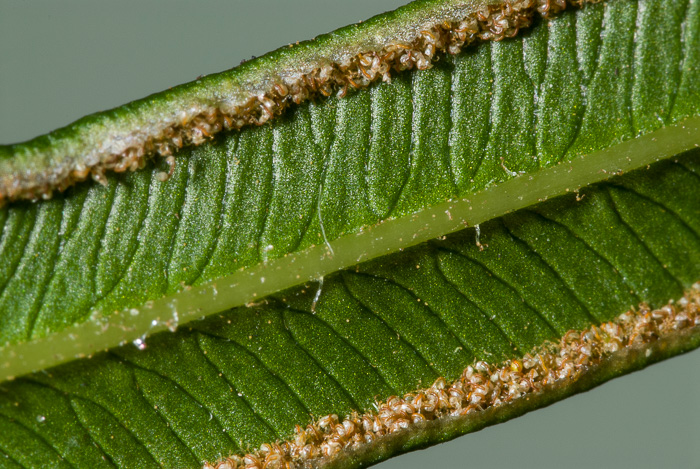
(485, 389)
(493, 22)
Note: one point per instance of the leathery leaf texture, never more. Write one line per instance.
(585, 81)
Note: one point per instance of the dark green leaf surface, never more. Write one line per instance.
(587, 80)
(333, 167)
(249, 375)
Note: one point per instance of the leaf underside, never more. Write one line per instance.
(332, 167)
(593, 78)
(250, 374)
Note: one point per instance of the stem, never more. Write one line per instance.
(252, 284)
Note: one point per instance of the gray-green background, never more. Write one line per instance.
(62, 60)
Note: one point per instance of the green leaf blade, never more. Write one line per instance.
(245, 225)
(321, 178)
(252, 374)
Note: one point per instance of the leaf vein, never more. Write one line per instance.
(566, 284)
(348, 343)
(235, 388)
(40, 437)
(510, 287)
(267, 368)
(127, 266)
(602, 257)
(393, 331)
(177, 386)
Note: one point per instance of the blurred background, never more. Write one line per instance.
(62, 60)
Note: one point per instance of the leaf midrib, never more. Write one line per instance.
(175, 279)
(252, 284)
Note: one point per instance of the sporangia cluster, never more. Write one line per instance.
(482, 386)
(200, 123)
